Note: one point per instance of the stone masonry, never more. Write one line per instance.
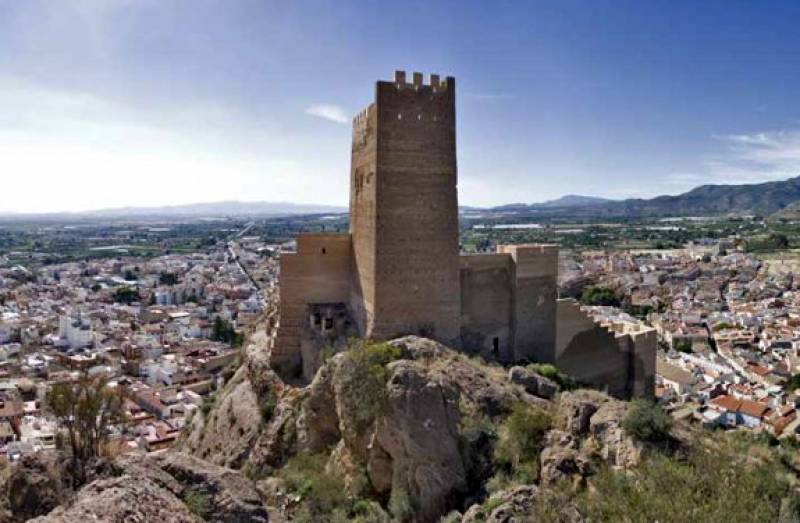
(399, 271)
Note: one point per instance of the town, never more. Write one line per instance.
(727, 325)
(166, 329)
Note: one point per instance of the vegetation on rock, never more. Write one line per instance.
(647, 422)
(599, 296)
(366, 383)
(85, 411)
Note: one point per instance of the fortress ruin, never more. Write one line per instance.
(399, 271)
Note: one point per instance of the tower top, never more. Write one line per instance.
(434, 81)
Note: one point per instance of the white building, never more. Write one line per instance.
(74, 332)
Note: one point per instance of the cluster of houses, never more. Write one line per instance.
(162, 328)
(728, 330)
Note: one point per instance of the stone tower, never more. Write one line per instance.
(404, 211)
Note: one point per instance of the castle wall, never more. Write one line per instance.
(319, 272)
(486, 305)
(621, 361)
(363, 217)
(534, 301)
(406, 234)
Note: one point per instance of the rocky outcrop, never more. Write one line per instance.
(415, 447)
(36, 485)
(171, 486)
(123, 499)
(593, 421)
(226, 435)
(407, 437)
(533, 383)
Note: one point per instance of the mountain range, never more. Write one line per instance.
(763, 199)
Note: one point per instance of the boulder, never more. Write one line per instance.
(532, 382)
(515, 505)
(171, 487)
(123, 499)
(576, 408)
(36, 485)
(561, 459)
(419, 439)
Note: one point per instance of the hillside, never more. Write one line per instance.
(413, 431)
(762, 199)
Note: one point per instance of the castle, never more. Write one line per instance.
(399, 270)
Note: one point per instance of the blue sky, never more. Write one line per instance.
(105, 103)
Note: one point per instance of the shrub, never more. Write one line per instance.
(599, 296)
(710, 486)
(267, 403)
(549, 371)
(208, 404)
(321, 493)
(400, 505)
(365, 384)
(646, 421)
(197, 503)
(520, 438)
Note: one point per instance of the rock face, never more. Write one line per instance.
(123, 499)
(595, 420)
(172, 487)
(414, 446)
(413, 443)
(533, 383)
(37, 485)
(228, 434)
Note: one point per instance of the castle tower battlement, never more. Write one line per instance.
(404, 211)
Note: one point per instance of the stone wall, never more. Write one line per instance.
(405, 228)
(534, 301)
(616, 358)
(319, 272)
(363, 216)
(486, 305)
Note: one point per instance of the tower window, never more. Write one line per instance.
(323, 250)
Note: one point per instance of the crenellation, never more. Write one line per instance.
(435, 83)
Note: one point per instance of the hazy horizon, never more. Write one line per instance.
(105, 104)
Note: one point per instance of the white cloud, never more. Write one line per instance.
(330, 112)
(748, 158)
(67, 150)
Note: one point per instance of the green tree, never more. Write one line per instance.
(599, 296)
(168, 278)
(85, 410)
(126, 295)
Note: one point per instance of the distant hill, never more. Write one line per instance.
(575, 200)
(229, 208)
(567, 201)
(196, 210)
(761, 198)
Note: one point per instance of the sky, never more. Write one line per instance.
(110, 103)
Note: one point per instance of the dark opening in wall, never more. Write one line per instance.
(495, 346)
